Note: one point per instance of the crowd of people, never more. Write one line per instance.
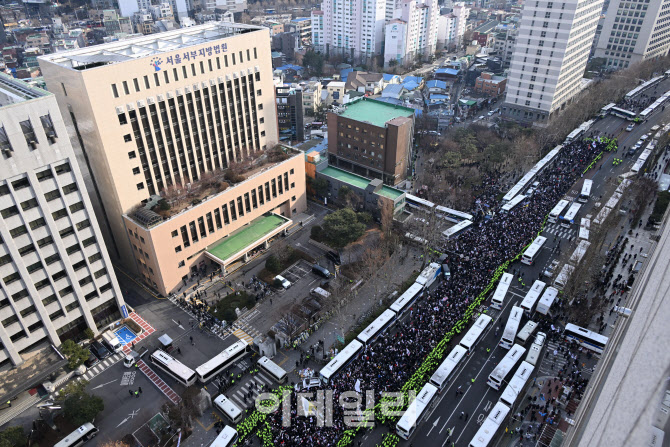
(472, 257)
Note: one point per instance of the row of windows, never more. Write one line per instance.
(29, 135)
(184, 71)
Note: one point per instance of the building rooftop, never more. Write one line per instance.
(359, 182)
(14, 90)
(247, 235)
(150, 45)
(375, 112)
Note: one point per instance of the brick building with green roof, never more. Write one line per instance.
(373, 139)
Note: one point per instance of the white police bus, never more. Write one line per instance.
(474, 334)
(346, 355)
(377, 327)
(174, 368)
(502, 370)
(276, 372)
(526, 332)
(533, 250)
(528, 303)
(516, 384)
(490, 426)
(441, 375)
(407, 423)
(79, 436)
(222, 361)
(512, 326)
(585, 338)
(569, 217)
(557, 210)
(585, 195)
(227, 438)
(228, 408)
(498, 297)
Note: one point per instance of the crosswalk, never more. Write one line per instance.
(557, 230)
(100, 367)
(244, 331)
(558, 362)
(164, 387)
(257, 379)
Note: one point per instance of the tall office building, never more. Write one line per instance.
(57, 278)
(634, 31)
(550, 56)
(161, 112)
(353, 28)
(180, 8)
(413, 34)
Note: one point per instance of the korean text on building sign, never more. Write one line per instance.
(192, 55)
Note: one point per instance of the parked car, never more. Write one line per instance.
(334, 256)
(285, 283)
(91, 361)
(321, 271)
(308, 384)
(99, 350)
(630, 127)
(549, 271)
(655, 128)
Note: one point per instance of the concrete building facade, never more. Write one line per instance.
(633, 32)
(550, 56)
(224, 228)
(418, 39)
(351, 28)
(373, 139)
(57, 277)
(490, 85)
(290, 117)
(159, 112)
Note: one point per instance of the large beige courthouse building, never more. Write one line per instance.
(166, 114)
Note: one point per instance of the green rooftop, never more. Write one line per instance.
(377, 113)
(359, 181)
(244, 237)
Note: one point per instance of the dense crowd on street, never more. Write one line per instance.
(472, 257)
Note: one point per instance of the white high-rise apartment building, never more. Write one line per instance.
(446, 30)
(349, 27)
(56, 276)
(414, 34)
(634, 30)
(130, 7)
(550, 56)
(461, 14)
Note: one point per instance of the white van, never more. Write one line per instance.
(285, 283)
(228, 408)
(111, 341)
(320, 292)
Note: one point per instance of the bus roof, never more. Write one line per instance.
(579, 252)
(399, 305)
(530, 175)
(456, 228)
(572, 211)
(547, 300)
(225, 438)
(417, 406)
(223, 356)
(560, 206)
(373, 329)
(534, 247)
(341, 359)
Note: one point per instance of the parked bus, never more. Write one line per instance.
(606, 110)
(457, 229)
(228, 408)
(418, 203)
(377, 327)
(429, 275)
(407, 423)
(346, 355)
(525, 333)
(414, 238)
(516, 384)
(580, 251)
(503, 369)
(547, 300)
(227, 438)
(569, 217)
(528, 303)
(586, 191)
(222, 361)
(406, 300)
(174, 368)
(563, 277)
(533, 250)
(557, 210)
(451, 215)
(509, 206)
(441, 376)
(621, 113)
(585, 338)
(474, 334)
(79, 436)
(276, 372)
(533, 355)
(509, 334)
(490, 426)
(498, 297)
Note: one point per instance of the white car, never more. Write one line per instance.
(285, 283)
(490, 113)
(308, 384)
(655, 128)
(630, 127)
